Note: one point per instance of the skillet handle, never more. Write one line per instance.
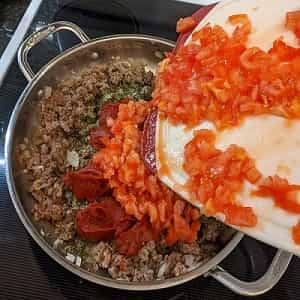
(276, 270)
(38, 36)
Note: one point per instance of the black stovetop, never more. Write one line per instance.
(26, 272)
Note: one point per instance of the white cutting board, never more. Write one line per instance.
(274, 146)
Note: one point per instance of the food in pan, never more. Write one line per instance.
(106, 211)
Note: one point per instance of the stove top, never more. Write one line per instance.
(26, 272)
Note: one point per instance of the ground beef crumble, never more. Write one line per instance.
(67, 113)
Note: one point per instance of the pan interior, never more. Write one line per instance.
(147, 50)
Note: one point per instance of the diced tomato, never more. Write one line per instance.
(254, 58)
(185, 24)
(204, 135)
(296, 64)
(215, 179)
(197, 16)
(284, 194)
(107, 114)
(283, 51)
(130, 241)
(216, 77)
(240, 216)
(171, 237)
(292, 22)
(253, 175)
(238, 19)
(223, 197)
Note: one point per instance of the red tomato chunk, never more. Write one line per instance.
(216, 176)
(185, 24)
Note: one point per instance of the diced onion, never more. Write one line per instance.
(70, 257)
(73, 158)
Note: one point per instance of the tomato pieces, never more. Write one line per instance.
(184, 224)
(292, 22)
(185, 24)
(254, 58)
(283, 193)
(107, 114)
(130, 241)
(86, 183)
(182, 231)
(197, 16)
(99, 220)
(237, 19)
(97, 136)
(216, 78)
(240, 216)
(283, 51)
(216, 176)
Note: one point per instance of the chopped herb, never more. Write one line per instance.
(133, 91)
(77, 249)
(81, 248)
(70, 249)
(72, 201)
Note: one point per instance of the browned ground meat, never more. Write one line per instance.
(60, 144)
(155, 260)
(67, 113)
